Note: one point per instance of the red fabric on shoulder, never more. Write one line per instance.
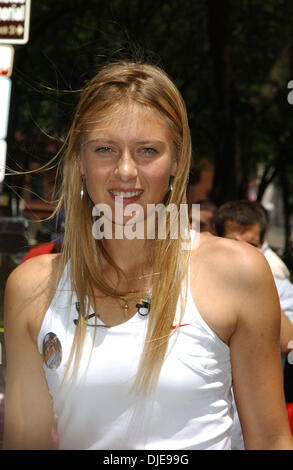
(44, 249)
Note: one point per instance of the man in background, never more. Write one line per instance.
(200, 181)
(248, 221)
(206, 213)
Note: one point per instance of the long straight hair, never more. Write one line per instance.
(117, 84)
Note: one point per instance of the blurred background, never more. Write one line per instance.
(232, 62)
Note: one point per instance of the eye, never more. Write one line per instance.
(148, 151)
(103, 149)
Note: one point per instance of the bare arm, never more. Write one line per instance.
(28, 405)
(255, 358)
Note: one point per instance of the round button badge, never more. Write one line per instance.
(52, 351)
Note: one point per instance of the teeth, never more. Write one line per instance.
(125, 194)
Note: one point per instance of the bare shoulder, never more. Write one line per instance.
(234, 291)
(231, 261)
(29, 289)
(230, 282)
(34, 267)
(32, 276)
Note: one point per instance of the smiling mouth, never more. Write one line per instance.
(125, 194)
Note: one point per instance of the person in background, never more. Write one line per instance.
(206, 213)
(277, 265)
(52, 246)
(200, 180)
(248, 221)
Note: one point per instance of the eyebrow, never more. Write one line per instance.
(111, 141)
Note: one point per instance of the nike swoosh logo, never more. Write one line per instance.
(183, 324)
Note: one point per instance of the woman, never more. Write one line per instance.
(107, 337)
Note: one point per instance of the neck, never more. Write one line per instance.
(133, 257)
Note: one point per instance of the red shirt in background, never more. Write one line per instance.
(44, 249)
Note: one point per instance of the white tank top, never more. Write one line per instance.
(191, 407)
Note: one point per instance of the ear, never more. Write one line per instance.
(80, 164)
(174, 168)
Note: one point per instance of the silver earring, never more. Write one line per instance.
(81, 189)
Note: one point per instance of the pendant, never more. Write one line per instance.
(125, 308)
(52, 351)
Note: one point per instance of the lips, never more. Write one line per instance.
(128, 195)
(125, 193)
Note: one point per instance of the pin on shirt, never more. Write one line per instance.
(144, 307)
(52, 351)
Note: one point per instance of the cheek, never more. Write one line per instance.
(162, 170)
(95, 171)
(158, 179)
(96, 178)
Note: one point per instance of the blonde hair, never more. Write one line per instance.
(150, 87)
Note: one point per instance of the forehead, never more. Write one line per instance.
(205, 215)
(125, 117)
(233, 227)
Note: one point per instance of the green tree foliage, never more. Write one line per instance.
(231, 60)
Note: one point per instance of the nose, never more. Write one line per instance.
(126, 167)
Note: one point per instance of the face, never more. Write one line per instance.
(205, 220)
(130, 157)
(205, 217)
(248, 233)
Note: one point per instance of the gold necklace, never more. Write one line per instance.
(125, 308)
(143, 307)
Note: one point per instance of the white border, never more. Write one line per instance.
(5, 93)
